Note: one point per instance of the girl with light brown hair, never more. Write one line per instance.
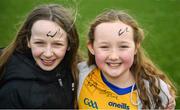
(119, 75)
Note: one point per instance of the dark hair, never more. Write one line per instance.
(55, 13)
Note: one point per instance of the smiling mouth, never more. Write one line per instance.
(114, 64)
(47, 62)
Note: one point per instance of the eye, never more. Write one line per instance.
(124, 46)
(39, 42)
(104, 47)
(58, 44)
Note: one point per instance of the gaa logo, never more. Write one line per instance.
(90, 103)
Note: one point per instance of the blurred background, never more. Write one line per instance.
(160, 20)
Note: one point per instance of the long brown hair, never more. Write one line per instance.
(142, 68)
(55, 13)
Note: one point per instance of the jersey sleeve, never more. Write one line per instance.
(84, 70)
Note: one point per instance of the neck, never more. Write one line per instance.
(124, 80)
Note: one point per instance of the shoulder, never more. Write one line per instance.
(15, 59)
(163, 85)
(19, 67)
(84, 70)
(164, 88)
(165, 93)
(83, 67)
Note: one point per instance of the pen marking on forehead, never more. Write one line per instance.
(50, 34)
(121, 31)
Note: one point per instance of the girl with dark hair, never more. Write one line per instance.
(38, 68)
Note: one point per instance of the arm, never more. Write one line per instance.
(9, 97)
(14, 94)
(171, 103)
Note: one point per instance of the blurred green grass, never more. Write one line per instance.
(160, 20)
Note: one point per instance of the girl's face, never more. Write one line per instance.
(114, 49)
(48, 44)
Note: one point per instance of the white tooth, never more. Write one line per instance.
(114, 64)
(48, 61)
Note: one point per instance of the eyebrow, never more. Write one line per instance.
(57, 40)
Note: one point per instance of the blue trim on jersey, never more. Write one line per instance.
(120, 91)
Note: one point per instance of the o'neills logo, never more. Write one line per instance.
(90, 103)
(121, 105)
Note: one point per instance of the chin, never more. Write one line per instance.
(47, 68)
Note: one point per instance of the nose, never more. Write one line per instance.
(48, 52)
(114, 55)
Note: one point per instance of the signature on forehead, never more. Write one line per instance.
(121, 31)
(51, 34)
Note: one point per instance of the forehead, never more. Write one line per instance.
(47, 28)
(112, 30)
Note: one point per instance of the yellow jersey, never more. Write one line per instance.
(97, 93)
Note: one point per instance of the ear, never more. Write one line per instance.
(68, 48)
(137, 47)
(28, 43)
(90, 47)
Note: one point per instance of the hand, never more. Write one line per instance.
(171, 105)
